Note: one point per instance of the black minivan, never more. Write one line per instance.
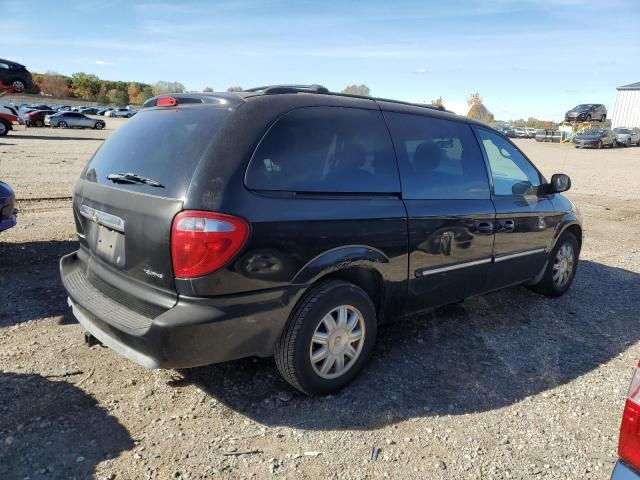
(292, 221)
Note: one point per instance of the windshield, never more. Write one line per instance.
(622, 130)
(163, 145)
(584, 106)
(593, 131)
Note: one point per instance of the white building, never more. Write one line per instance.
(626, 111)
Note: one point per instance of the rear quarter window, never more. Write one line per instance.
(325, 150)
(164, 145)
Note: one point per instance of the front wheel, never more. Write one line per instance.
(62, 125)
(39, 123)
(99, 126)
(588, 118)
(328, 339)
(4, 128)
(561, 267)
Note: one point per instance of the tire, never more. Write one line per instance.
(603, 118)
(62, 125)
(627, 143)
(294, 350)
(39, 123)
(99, 126)
(4, 128)
(547, 285)
(599, 145)
(588, 119)
(18, 86)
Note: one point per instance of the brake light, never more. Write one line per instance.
(202, 242)
(629, 443)
(166, 102)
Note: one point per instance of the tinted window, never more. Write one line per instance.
(326, 149)
(512, 173)
(439, 159)
(164, 145)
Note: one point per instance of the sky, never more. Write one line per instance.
(526, 58)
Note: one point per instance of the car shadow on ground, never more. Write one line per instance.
(53, 430)
(30, 281)
(54, 137)
(486, 353)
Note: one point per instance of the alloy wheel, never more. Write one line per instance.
(337, 342)
(563, 265)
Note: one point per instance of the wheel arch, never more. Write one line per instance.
(359, 265)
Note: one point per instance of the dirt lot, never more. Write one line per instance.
(508, 385)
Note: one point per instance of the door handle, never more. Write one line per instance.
(506, 225)
(484, 227)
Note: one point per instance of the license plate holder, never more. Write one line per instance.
(109, 245)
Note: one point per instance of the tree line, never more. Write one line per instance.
(87, 86)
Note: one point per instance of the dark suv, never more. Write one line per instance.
(292, 221)
(14, 75)
(586, 112)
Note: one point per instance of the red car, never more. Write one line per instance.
(628, 466)
(7, 120)
(36, 118)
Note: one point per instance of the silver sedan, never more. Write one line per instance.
(73, 119)
(627, 136)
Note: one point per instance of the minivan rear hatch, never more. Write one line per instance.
(132, 188)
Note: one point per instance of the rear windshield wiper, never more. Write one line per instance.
(132, 178)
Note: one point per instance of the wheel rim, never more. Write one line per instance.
(3, 128)
(18, 85)
(62, 124)
(337, 342)
(563, 265)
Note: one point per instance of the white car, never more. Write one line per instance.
(120, 113)
(530, 132)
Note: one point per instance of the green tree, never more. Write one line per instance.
(102, 97)
(85, 85)
(358, 90)
(134, 91)
(207, 90)
(234, 89)
(121, 98)
(477, 110)
(162, 87)
(56, 85)
(147, 93)
(438, 102)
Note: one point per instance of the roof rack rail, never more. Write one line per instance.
(275, 89)
(319, 89)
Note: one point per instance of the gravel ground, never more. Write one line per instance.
(507, 385)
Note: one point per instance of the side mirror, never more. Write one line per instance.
(559, 183)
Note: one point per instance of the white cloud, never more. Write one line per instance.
(420, 71)
(101, 62)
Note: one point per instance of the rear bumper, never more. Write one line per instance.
(194, 332)
(622, 472)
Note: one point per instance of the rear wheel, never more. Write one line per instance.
(328, 339)
(600, 144)
(4, 128)
(561, 267)
(18, 86)
(39, 123)
(62, 125)
(588, 118)
(603, 118)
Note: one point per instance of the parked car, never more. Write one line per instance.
(627, 136)
(587, 112)
(270, 222)
(530, 132)
(119, 113)
(595, 137)
(14, 75)
(71, 120)
(36, 118)
(64, 108)
(520, 132)
(7, 120)
(7, 207)
(103, 111)
(89, 110)
(628, 465)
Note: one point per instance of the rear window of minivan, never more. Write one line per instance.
(164, 145)
(326, 150)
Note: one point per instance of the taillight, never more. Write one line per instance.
(202, 242)
(629, 443)
(166, 102)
